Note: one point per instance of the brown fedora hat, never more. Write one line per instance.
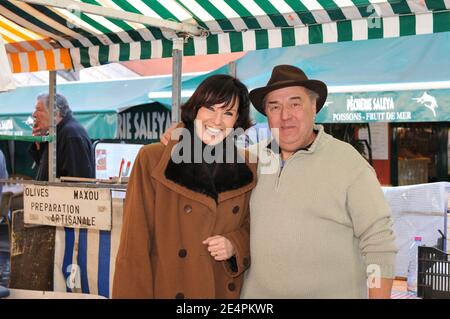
(285, 76)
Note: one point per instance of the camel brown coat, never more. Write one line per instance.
(161, 254)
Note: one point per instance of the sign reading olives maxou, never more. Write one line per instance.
(72, 207)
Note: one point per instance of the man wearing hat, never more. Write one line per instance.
(319, 221)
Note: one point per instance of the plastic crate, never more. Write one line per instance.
(433, 276)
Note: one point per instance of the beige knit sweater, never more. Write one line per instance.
(317, 224)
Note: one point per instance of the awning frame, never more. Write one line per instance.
(121, 15)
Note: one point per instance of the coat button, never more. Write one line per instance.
(235, 209)
(182, 253)
(231, 286)
(187, 209)
(245, 262)
(179, 296)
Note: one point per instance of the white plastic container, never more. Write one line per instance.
(412, 266)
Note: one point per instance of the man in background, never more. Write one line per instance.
(75, 158)
(75, 152)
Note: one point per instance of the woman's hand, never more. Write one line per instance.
(219, 247)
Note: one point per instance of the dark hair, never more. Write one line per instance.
(219, 89)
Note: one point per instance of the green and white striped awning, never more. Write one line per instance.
(52, 36)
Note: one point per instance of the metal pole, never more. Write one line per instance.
(177, 57)
(12, 155)
(104, 11)
(232, 69)
(52, 128)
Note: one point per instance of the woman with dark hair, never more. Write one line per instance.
(185, 230)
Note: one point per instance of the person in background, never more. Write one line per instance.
(3, 175)
(185, 230)
(4, 215)
(75, 152)
(3, 170)
(75, 158)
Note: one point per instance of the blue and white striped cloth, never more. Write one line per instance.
(85, 258)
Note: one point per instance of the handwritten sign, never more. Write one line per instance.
(72, 207)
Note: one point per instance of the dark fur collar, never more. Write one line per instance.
(207, 180)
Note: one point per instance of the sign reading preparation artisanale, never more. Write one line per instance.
(72, 207)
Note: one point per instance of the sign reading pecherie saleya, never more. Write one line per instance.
(72, 207)
(388, 106)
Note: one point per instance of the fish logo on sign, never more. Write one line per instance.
(328, 103)
(428, 101)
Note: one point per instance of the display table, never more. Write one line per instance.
(417, 210)
(35, 294)
(66, 259)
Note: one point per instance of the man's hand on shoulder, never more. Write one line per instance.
(165, 138)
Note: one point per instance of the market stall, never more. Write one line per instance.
(91, 102)
(52, 35)
(393, 98)
(394, 73)
(56, 35)
(87, 221)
